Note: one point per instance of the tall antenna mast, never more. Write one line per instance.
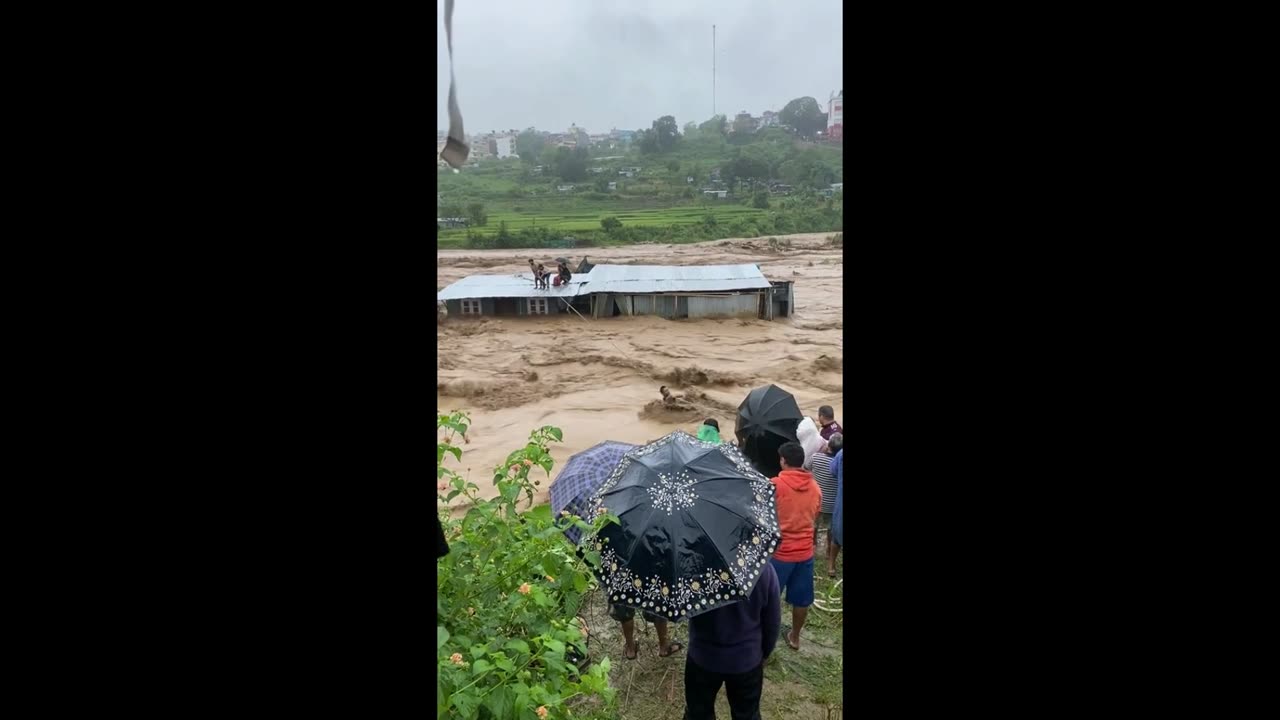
(713, 71)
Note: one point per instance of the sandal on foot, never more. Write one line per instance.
(671, 649)
(793, 647)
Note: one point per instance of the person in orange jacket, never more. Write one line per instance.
(799, 499)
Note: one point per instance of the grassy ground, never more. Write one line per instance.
(802, 685)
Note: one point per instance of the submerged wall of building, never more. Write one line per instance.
(777, 301)
(744, 305)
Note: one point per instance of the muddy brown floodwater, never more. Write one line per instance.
(598, 379)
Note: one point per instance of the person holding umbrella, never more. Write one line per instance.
(729, 646)
(767, 417)
(696, 525)
(570, 493)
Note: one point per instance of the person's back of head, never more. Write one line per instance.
(836, 443)
(712, 423)
(826, 414)
(792, 455)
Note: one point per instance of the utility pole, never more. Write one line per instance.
(713, 71)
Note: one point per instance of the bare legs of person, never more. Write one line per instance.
(632, 648)
(832, 551)
(798, 616)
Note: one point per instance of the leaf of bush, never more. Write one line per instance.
(442, 637)
(466, 704)
(500, 702)
(480, 666)
(518, 646)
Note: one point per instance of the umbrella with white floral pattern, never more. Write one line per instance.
(696, 526)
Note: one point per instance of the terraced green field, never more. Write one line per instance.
(579, 218)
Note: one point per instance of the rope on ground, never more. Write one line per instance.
(831, 597)
(575, 312)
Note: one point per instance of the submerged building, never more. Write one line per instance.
(670, 291)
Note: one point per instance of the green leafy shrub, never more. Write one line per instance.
(508, 643)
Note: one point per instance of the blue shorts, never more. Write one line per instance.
(796, 580)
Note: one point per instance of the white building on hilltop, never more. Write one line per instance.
(505, 146)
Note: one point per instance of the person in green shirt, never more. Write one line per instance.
(709, 431)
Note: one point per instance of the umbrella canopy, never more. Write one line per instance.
(696, 526)
(767, 419)
(582, 476)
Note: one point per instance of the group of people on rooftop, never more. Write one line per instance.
(540, 274)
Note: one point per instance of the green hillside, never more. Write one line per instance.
(510, 203)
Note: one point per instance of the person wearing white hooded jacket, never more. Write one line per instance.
(810, 438)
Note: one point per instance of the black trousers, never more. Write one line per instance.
(701, 687)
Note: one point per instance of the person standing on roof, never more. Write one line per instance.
(539, 275)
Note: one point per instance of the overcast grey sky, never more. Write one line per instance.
(549, 63)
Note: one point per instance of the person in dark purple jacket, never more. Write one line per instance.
(729, 646)
(827, 420)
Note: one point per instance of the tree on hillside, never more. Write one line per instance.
(529, 146)
(548, 158)
(716, 125)
(808, 169)
(690, 129)
(571, 164)
(745, 166)
(805, 115)
(647, 141)
(610, 224)
(667, 133)
(476, 216)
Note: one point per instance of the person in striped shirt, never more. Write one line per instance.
(823, 474)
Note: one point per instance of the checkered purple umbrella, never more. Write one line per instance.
(582, 476)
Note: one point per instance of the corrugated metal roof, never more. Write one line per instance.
(675, 278)
(519, 285)
(614, 279)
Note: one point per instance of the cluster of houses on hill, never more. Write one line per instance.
(502, 144)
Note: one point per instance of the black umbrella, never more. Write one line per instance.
(697, 525)
(767, 419)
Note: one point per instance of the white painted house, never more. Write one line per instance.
(505, 146)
